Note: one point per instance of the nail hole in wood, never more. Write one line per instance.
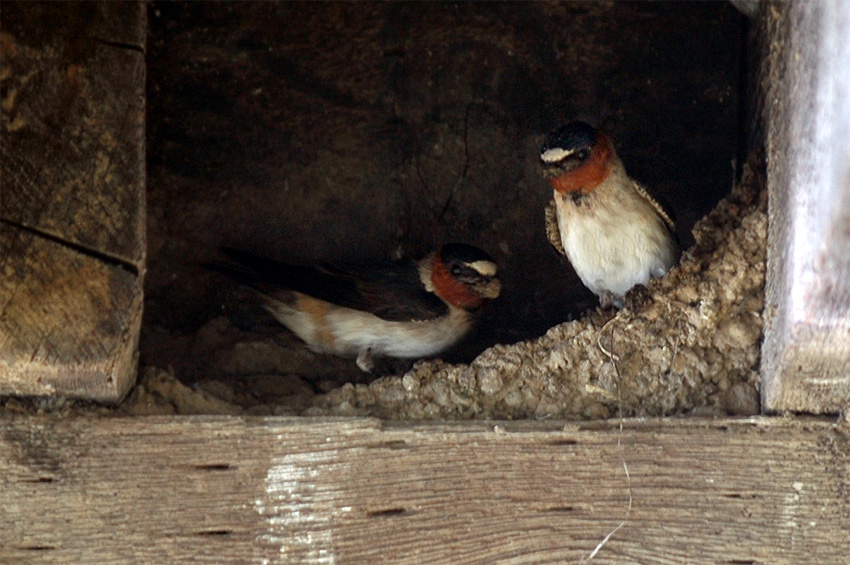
(214, 467)
(386, 513)
(214, 533)
(39, 480)
(395, 444)
(560, 509)
(565, 441)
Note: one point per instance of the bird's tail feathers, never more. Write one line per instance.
(261, 276)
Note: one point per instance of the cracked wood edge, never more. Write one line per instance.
(274, 490)
(72, 217)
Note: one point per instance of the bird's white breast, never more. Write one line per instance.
(613, 237)
(347, 332)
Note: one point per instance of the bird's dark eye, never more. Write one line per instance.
(455, 270)
(584, 154)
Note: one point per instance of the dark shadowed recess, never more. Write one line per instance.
(356, 131)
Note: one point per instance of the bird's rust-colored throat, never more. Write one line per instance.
(590, 174)
(450, 290)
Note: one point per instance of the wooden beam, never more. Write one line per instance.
(806, 348)
(69, 322)
(72, 228)
(273, 490)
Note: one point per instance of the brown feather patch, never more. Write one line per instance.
(553, 232)
(450, 290)
(317, 310)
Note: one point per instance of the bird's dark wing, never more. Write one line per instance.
(553, 233)
(392, 292)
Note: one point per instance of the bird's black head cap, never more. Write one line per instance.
(572, 136)
(463, 253)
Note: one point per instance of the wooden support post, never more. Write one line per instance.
(806, 349)
(72, 241)
(273, 490)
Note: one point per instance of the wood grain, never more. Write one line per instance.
(271, 490)
(806, 348)
(72, 216)
(69, 322)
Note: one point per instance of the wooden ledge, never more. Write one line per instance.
(273, 490)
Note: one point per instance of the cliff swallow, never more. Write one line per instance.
(612, 231)
(404, 310)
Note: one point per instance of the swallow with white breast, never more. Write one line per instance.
(406, 311)
(612, 231)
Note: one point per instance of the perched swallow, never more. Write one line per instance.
(406, 311)
(612, 231)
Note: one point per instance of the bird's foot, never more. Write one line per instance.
(608, 300)
(365, 361)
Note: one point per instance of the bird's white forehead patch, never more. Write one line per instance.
(486, 268)
(555, 154)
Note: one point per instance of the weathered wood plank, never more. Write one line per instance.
(806, 348)
(237, 490)
(73, 123)
(72, 330)
(72, 216)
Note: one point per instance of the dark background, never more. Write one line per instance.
(356, 131)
